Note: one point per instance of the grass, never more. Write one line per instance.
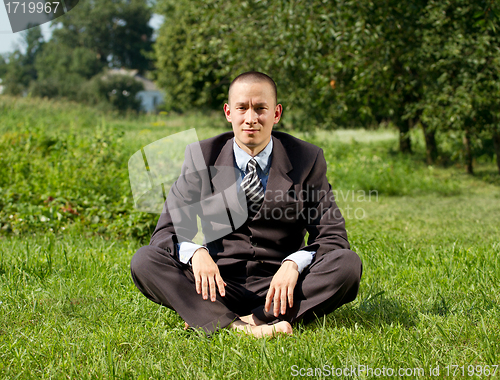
(428, 239)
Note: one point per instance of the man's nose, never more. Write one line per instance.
(251, 116)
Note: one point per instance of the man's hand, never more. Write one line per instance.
(282, 287)
(206, 275)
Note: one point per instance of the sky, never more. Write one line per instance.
(10, 41)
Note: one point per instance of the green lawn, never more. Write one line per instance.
(429, 240)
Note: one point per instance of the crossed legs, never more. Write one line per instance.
(330, 281)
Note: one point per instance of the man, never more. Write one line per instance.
(254, 272)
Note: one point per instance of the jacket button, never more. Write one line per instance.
(169, 250)
(254, 244)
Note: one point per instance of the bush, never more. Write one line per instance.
(118, 90)
(63, 171)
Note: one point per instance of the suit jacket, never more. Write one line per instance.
(298, 199)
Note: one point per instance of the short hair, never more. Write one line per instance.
(255, 76)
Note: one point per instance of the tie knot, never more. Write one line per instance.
(252, 165)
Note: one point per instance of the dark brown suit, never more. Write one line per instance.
(298, 199)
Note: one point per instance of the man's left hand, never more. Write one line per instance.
(282, 287)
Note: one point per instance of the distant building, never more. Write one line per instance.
(151, 97)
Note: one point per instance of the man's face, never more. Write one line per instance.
(252, 112)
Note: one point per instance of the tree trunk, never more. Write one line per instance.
(468, 152)
(496, 144)
(404, 136)
(430, 144)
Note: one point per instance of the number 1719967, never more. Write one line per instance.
(32, 7)
(471, 370)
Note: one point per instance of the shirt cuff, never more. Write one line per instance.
(301, 258)
(186, 251)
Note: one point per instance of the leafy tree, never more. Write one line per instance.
(388, 78)
(19, 68)
(117, 31)
(460, 50)
(3, 66)
(62, 70)
(202, 45)
(93, 36)
(412, 62)
(189, 66)
(334, 63)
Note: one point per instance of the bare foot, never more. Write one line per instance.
(252, 320)
(262, 330)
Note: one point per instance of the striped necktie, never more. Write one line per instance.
(252, 187)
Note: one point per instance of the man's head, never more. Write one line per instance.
(252, 110)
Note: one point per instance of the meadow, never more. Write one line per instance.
(429, 239)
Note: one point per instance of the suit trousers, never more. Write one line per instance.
(329, 282)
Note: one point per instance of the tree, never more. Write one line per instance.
(3, 66)
(188, 64)
(334, 63)
(93, 36)
(62, 70)
(412, 62)
(19, 68)
(460, 49)
(202, 45)
(117, 31)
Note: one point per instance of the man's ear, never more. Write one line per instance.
(227, 112)
(278, 111)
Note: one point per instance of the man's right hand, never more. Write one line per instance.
(207, 275)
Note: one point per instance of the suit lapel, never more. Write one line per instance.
(278, 177)
(223, 171)
(224, 175)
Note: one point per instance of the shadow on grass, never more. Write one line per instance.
(454, 304)
(488, 174)
(377, 310)
(373, 311)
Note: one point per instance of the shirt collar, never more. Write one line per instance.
(263, 158)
